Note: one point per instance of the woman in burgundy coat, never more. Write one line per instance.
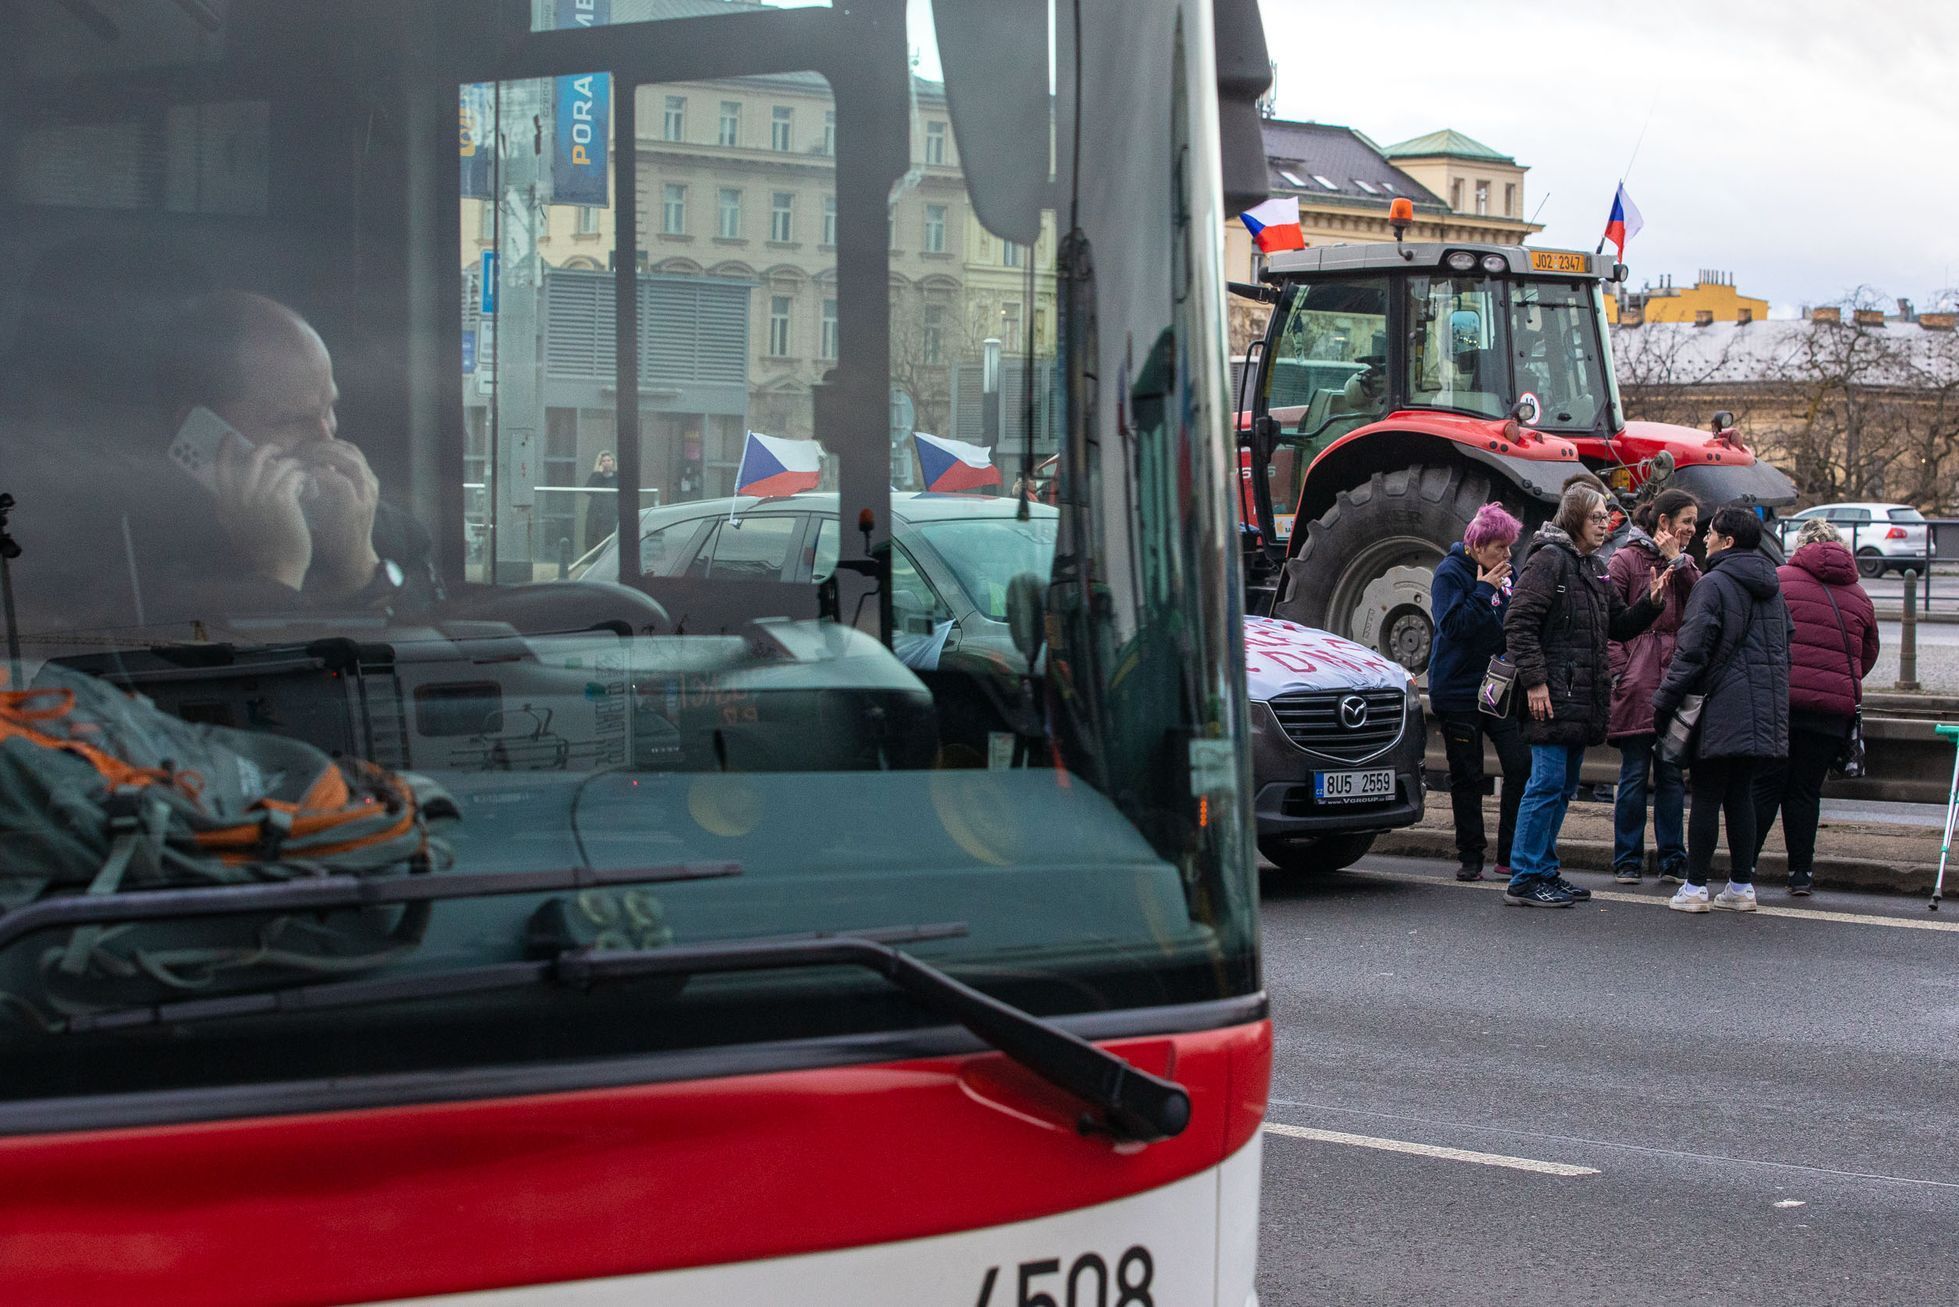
(1662, 530)
(1834, 649)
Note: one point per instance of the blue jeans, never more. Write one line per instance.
(1553, 780)
(1641, 766)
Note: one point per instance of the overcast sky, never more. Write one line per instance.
(1807, 147)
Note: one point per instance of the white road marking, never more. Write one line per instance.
(1544, 1136)
(1792, 1202)
(1652, 900)
(1427, 1150)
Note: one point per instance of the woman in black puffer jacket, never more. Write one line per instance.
(1561, 617)
(1734, 649)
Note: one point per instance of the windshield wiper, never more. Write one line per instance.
(324, 893)
(1133, 1104)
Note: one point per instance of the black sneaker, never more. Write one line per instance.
(1538, 892)
(1628, 875)
(1578, 893)
(1470, 871)
(1800, 884)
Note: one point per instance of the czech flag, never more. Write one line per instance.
(772, 467)
(1274, 225)
(953, 465)
(1625, 222)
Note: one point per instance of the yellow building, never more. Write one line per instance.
(1712, 298)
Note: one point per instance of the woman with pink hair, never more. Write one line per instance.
(1468, 600)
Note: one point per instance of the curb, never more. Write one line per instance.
(1596, 855)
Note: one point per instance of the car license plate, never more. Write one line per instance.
(1353, 786)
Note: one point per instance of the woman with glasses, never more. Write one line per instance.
(1561, 618)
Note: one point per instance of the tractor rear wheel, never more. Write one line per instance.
(1365, 567)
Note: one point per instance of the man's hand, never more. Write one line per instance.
(1539, 699)
(1493, 576)
(258, 506)
(1659, 585)
(342, 517)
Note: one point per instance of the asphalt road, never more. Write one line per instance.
(1474, 1103)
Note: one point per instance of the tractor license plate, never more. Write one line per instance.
(1353, 786)
(1559, 261)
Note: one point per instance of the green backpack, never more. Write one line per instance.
(101, 792)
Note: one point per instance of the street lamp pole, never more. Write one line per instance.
(990, 396)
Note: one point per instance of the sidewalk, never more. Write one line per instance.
(1890, 847)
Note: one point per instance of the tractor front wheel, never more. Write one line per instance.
(1365, 567)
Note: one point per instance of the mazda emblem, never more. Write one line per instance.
(1353, 712)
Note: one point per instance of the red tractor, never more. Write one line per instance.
(1400, 386)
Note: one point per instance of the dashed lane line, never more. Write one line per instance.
(1620, 896)
(1427, 1150)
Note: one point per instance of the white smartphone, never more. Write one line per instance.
(197, 442)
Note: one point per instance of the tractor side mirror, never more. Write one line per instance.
(1723, 420)
(1620, 272)
(1525, 410)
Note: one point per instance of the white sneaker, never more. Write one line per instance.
(1736, 898)
(1690, 898)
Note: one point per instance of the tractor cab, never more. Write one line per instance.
(1400, 385)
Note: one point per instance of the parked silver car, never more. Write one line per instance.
(1885, 537)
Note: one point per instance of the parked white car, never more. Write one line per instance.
(1885, 537)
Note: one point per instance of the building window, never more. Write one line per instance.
(1482, 198)
(829, 220)
(782, 121)
(1510, 199)
(935, 142)
(673, 126)
(935, 229)
(781, 214)
(1009, 254)
(588, 220)
(730, 213)
(1010, 325)
(1455, 195)
(829, 131)
(673, 209)
(779, 326)
(932, 342)
(1703, 317)
(731, 123)
(828, 338)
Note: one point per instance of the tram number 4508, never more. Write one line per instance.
(1088, 1282)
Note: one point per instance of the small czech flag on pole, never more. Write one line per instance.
(772, 466)
(1274, 225)
(1624, 224)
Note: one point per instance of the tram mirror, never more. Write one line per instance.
(995, 58)
(1026, 619)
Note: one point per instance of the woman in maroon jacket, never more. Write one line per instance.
(1834, 649)
(1661, 531)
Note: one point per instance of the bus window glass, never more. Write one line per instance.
(323, 434)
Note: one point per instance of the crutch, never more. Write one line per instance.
(1951, 813)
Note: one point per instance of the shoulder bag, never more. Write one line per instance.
(1849, 761)
(1676, 743)
(1494, 697)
